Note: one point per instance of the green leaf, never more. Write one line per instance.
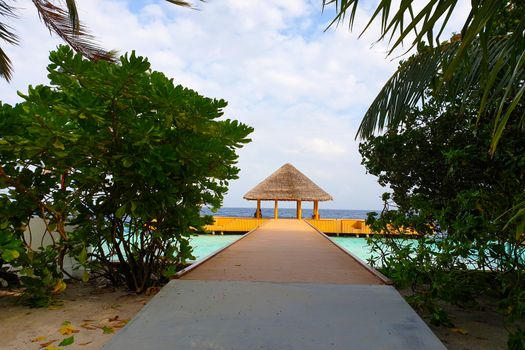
(120, 212)
(127, 162)
(133, 207)
(67, 341)
(108, 330)
(9, 255)
(85, 276)
(58, 144)
(82, 257)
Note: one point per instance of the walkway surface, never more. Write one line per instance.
(284, 251)
(282, 286)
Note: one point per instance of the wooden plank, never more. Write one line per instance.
(284, 251)
(382, 277)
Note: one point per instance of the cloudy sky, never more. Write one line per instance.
(302, 88)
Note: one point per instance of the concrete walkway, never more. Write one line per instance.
(283, 286)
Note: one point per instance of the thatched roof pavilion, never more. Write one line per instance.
(288, 184)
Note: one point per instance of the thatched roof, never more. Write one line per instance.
(287, 184)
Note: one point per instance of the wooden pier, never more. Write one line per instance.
(284, 251)
(355, 227)
(284, 285)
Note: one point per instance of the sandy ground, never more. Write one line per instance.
(89, 309)
(478, 327)
(90, 314)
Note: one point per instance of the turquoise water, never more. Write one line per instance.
(356, 246)
(204, 245)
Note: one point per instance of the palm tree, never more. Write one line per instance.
(488, 52)
(61, 20)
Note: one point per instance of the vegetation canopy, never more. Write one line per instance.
(118, 161)
(460, 199)
(60, 18)
(487, 52)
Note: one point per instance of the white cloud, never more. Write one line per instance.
(302, 89)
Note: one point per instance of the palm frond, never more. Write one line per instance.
(60, 22)
(404, 90)
(7, 34)
(180, 3)
(499, 93)
(493, 63)
(7, 10)
(6, 68)
(73, 15)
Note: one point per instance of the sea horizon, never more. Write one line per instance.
(248, 212)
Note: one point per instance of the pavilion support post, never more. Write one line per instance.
(299, 212)
(276, 210)
(316, 210)
(258, 211)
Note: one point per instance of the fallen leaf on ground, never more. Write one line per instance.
(85, 343)
(50, 348)
(119, 323)
(55, 307)
(47, 343)
(37, 339)
(113, 318)
(461, 331)
(152, 291)
(108, 330)
(88, 326)
(67, 329)
(67, 341)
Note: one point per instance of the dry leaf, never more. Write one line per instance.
(152, 291)
(113, 318)
(50, 348)
(37, 339)
(86, 343)
(119, 324)
(59, 287)
(67, 329)
(55, 307)
(461, 331)
(88, 326)
(47, 343)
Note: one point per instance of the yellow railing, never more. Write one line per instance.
(329, 226)
(232, 224)
(341, 226)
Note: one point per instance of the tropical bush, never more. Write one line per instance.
(446, 186)
(117, 160)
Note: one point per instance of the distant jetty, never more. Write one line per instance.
(228, 225)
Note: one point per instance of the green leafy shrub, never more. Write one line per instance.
(118, 160)
(464, 203)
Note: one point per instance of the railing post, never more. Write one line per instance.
(258, 212)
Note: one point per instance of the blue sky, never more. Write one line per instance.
(303, 89)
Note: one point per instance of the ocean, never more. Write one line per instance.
(290, 213)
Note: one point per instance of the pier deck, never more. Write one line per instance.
(282, 286)
(284, 251)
